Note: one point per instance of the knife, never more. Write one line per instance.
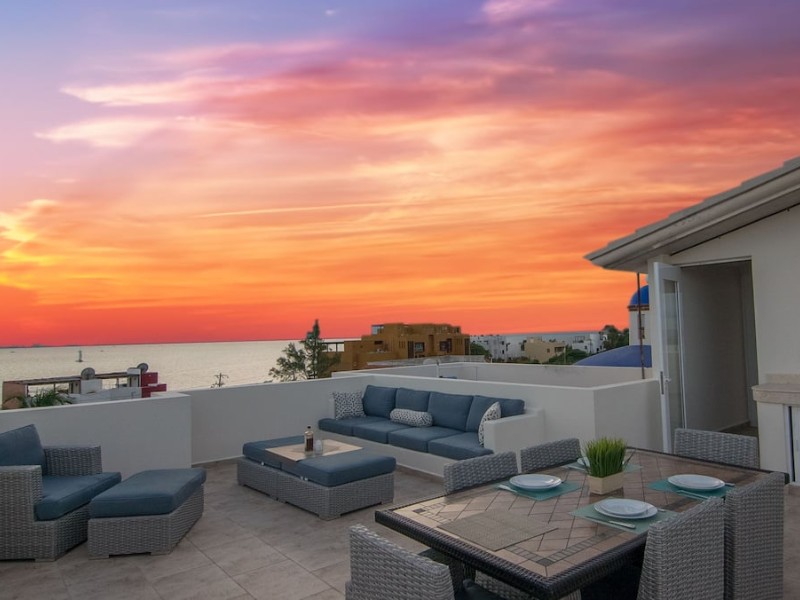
(693, 495)
(604, 522)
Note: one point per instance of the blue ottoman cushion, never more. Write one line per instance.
(257, 451)
(377, 431)
(458, 447)
(338, 469)
(157, 492)
(417, 438)
(22, 447)
(345, 426)
(61, 494)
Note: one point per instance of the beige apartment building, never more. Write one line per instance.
(401, 341)
(538, 349)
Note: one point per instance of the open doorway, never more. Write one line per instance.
(720, 364)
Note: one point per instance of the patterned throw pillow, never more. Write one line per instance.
(414, 418)
(347, 404)
(492, 413)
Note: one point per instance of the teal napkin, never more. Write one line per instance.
(563, 488)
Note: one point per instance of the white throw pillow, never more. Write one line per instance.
(492, 414)
(347, 404)
(414, 418)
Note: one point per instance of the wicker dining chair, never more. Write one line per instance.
(481, 469)
(754, 540)
(730, 448)
(381, 570)
(544, 456)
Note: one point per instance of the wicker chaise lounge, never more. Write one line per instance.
(45, 494)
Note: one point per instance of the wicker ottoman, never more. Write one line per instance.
(148, 512)
(327, 486)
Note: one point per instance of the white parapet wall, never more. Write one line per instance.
(134, 435)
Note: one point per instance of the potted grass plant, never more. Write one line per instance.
(605, 459)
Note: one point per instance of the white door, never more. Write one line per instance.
(667, 290)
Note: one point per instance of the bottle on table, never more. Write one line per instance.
(309, 435)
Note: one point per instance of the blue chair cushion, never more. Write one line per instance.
(345, 426)
(21, 447)
(449, 410)
(257, 451)
(338, 469)
(417, 438)
(378, 401)
(412, 399)
(61, 494)
(377, 431)
(508, 408)
(458, 447)
(157, 492)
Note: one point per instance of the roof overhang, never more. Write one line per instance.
(753, 200)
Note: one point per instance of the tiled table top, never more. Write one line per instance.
(574, 550)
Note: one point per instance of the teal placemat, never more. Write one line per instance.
(578, 466)
(640, 525)
(665, 486)
(564, 488)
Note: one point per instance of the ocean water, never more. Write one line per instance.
(180, 366)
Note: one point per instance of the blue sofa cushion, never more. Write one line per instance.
(257, 451)
(480, 404)
(377, 431)
(157, 492)
(412, 399)
(345, 426)
(21, 447)
(458, 447)
(338, 469)
(449, 410)
(417, 438)
(61, 494)
(379, 401)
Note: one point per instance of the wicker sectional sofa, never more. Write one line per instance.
(453, 434)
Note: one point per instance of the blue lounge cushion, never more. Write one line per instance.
(417, 438)
(509, 407)
(21, 447)
(157, 492)
(345, 426)
(377, 431)
(257, 451)
(379, 401)
(61, 494)
(449, 410)
(412, 399)
(458, 447)
(346, 467)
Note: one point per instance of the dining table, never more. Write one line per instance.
(551, 542)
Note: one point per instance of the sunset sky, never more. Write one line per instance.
(231, 170)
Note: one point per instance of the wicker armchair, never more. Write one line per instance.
(476, 471)
(684, 555)
(380, 569)
(544, 456)
(21, 535)
(741, 450)
(754, 540)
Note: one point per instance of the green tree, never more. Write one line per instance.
(310, 360)
(614, 338)
(569, 357)
(475, 349)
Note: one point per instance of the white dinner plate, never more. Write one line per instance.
(650, 512)
(535, 482)
(622, 507)
(696, 482)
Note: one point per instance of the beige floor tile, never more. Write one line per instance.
(184, 557)
(335, 575)
(244, 555)
(204, 583)
(283, 581)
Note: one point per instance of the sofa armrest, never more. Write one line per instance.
(72, 460)
(20, 490)
(514, 433)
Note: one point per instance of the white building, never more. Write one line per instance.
(724, 286)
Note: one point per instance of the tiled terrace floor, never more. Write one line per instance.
(249, 546)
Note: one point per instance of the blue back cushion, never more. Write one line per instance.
(379, 401)
(412, 399)
(508, 408)
(21, 447)
(449, 410)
